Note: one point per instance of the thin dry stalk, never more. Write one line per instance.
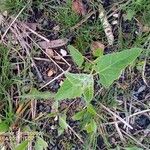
(33, 108)
(118, 117)
(143, 73)
(24, 46)
(14, 21)
(135, 140)
(40, 36)
(135, 114)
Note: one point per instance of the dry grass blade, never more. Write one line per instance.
(25, 47)
(33, 108)
(14, 20)
(130, 116)
(118, 117)
(135, 140)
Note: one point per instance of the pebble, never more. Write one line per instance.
(114, 22)
(50, 73)
(63, 52)
(56, 118)
(136, 32)
(116, 15)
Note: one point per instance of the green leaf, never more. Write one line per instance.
(98, 52)
(110, 66)
(35, 94)
(75, 85)
(91, 127)
(79, 115)
(76, 55)
(91, 109)
(62, 122)
(4, 127)
(68, 90)
(86, 83)
(22, 146)
(40, 144)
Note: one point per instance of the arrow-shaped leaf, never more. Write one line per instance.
(76, 55)
(110, 66)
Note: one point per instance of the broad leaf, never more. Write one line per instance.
(86, 83)
(75, 85)
(22, 146)
(35, 94)
(91, 109)
(40, 144)
(79, 115)
(76, 55)
(110, 66)
(68, 90)
(91, 127)
(62, 122)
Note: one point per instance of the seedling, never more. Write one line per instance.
(107, 67)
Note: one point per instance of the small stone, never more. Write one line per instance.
(63, 52)
(114, 22)
(50, 73)
(56, 118)
(116, 15)
(136, 32)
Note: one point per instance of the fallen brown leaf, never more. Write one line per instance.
(50, 52)
(78, 7)
(97, 48)
(50, 73)
(53, 44)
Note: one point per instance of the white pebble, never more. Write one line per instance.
(116, 15)
(56, 118)
(114, 22)
(63, 52)
(136, 32)
(93, 17)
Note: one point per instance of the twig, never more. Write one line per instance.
(14, 21)
(22, 42)
(131, 137)
(135, 114)
(42, 37)
(111, 112)
(75, 134)
(143, 73)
